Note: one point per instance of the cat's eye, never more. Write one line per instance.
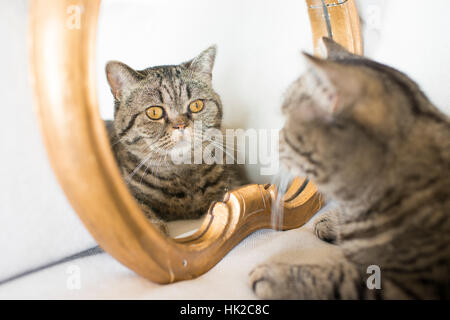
(155, 112)
(196, 106)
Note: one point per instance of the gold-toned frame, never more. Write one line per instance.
(62, 65)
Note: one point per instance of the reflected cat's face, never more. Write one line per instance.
(156, 108)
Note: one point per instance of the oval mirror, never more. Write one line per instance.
(62, 60)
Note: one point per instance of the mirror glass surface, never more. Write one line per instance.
(258, 56)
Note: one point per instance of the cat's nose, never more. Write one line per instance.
(179, 126)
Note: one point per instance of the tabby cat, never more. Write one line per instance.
(155, 111)
(372, 141)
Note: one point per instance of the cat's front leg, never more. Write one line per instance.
(326, 226)
(304, 281)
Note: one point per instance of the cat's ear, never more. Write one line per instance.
(120, 76)
(330, 49)
(203, 63)
(335, 86)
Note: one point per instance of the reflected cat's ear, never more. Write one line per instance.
(330, 49)
(203, 63)
(120, 76)
(334, 85)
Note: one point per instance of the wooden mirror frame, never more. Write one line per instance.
(63, 77)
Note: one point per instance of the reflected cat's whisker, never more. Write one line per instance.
(202, 138)
(147, 157)
(148, 166)
(159, 164)
(118, 141)
(225, 151)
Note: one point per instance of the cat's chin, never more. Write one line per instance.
(181, 146)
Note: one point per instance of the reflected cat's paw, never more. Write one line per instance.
(160, 225)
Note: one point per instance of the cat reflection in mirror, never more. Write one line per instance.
(372, 142)
(154, 116)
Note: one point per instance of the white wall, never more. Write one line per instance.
(412, 36)
(37, 224)
(259, 47)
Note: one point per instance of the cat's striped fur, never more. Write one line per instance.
(166, 190)
(373, 142)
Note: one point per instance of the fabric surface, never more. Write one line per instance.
(102, 277)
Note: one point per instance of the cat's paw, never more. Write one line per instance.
(325, 229)
(269, 281)
(301, 281)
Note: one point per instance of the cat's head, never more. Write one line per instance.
(347, 120)
(155, 108)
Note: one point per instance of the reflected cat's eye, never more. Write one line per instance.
(155, 113)
(196, 106)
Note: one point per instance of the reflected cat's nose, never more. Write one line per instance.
(179, 126)
(180, 122)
